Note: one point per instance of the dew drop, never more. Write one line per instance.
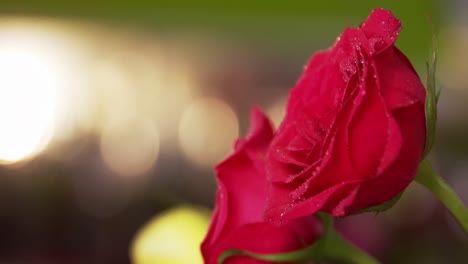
(290, 178)
(281, 217)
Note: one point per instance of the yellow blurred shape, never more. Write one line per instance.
(207, 131)
(31, 75)
(130, 148)
(172, 237)
(277, 111)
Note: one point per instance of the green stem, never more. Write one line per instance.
(337, 248)
(429, 178)
(341, 250)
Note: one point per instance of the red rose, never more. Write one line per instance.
(238, 221)
(354, 132)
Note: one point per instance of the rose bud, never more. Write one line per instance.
(237, 221)
(354, 131)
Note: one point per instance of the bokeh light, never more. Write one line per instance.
(172, 237)
(207, 131)
(130, 148)
(170, 88)
(32, 76)
(159, 86)
(277, 111)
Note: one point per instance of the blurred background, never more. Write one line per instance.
(113, 114)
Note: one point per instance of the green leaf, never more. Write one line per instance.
(432, 97)
(381, 207)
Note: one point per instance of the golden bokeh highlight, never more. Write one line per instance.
(64, 79)
(207, 131)
(130, 148)
(277, 111)
(33, 74)
(173, 237)
(157, 86)
(170, 89)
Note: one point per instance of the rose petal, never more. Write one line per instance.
(311, 204)
(242, 181)
(344, 105)
(367, 134)
(340, 208)
(382, 27)
(306, 84)
(393, 146)
(270, 239)
(261, 132)
(399, 85)
(403, 170)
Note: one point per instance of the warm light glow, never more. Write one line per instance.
(172, 237)
(277, 111)
(130, 148)
(31, 74)
(156, 86)
(207, 131)
(170, 88)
